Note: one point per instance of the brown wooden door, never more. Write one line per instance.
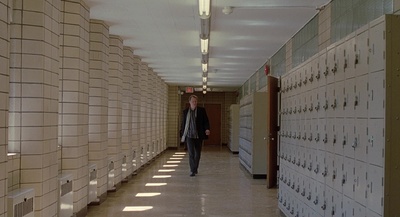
(214, 117)
(272, 130)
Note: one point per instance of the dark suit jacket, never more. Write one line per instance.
(202, 123)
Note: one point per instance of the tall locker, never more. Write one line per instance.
(234, 128)
(253, 134)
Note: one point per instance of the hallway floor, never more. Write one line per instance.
(164, 188)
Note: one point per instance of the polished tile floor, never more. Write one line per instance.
(164, 188)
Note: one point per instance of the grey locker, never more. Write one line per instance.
(321, 132)
(377, 46)
(312, 81)
(351, 56)
(339, 110)
(360, 178)
(375, 189)
(362, 51)
(361, 98)
(376, 94)
(337, 173)
(349, 137)
(339, 136)
(322, 68)
(328, 201)
(341, 60)
(320, 199)
(331, 65)
(348, 179)
(349, 97)
(320, 165)
(336, 209)
(376, 142)
(348, 207)
(329, 139)
(330, 101)
(329, 169)
(360, 145)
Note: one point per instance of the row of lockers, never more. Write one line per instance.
(356, 97)
(333, 136)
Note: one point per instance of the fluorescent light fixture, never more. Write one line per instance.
(204, 67)
(204, 46)
(204, 91)
(204, 8)
(180, 153)
(136, 208)
(161, 176)
(155, 184)
(204, 79)
(176, 158)
(204, 86)
(173, 162)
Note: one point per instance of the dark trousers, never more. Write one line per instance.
(194, 149)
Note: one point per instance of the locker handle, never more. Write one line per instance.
(305, 108)
(316, 170)
(310, 166)
(310, 137)
(311, 78)
(354, 145)
(292, 212)
(298, 136)
(334, 174)
(325, 172)
(326, 105)
(356, 59)
(317, 106)
(317, 138)
(299, 110)
(298, 162)
(305, 81)
(334, 139)
(288, 183)
(318, 75)
(356, 101)
(326, 138)
(304, 137)
(333, 211)
(299, 83)
(303, 193)
(293, 185)
(344, 141)
(311, 108)
(334, 104)
(326, 71)
(295, 110)
(304, 164)
(334, 70)
(316, 200)
(309, 196)
(280, 200)
(294, 161)
(284, 203)
(323, 207)
(343, 179)
(345, 65)
(344, 102)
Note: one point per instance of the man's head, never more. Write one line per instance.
(193, 101)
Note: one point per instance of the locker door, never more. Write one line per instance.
(328, 201)
(347, 207)
(376, 95)
(319, 203)
(349, 100)
(321, 132)
(361, 98)
(341, 61)
(337, 173)
(315, 170)
(336, 209)
(349, 137)
(339, 96)
(312, 134)
(351, 56)
(321, 166)
(331, 66)
(339, 133)
(331, 101)
(362, 52)
(360, 183)
(359, 210)
(322, 68)
(375, 189)
(329, 169)
(306, 75)
(348, 177)
(376, 141)
(313, 83)
(361, 140)
(377, 47)
(330, 135)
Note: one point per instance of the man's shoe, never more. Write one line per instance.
(192, 174)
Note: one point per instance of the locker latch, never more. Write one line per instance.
(325, 172)
(280, 200)
(304, 164)
(311, 108)
(298, 136)
(334, 175)
(333, 211)
(284, 203)
(344, 141)
(356, 59)
(293, 185)
(326, 105)
(305, 136)
(299, 110)
(323, 207)
(309, 196)
(310, 166)
(326, 71)
(305, 108)
(305, 81)
(356, 101)
(300, 83)
(316, 200)
(298, 189)
(343, 179)
(303, 193)
(317, 137)
(310, 137)
(295, 85)
(316, 170)
(334, 104)
(288, 184)
(326, 138)
(294, 160)
(345, 65)
(295, 110)
(298, 162)
(354, 143)
(317, 106)
(334, 70)
(294, 135)
(334, 139)
(292, 212)
(311, 78)
(318, 76)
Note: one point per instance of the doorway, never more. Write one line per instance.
(214, 117)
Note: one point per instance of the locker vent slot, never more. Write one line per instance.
(23, 208)
(66, 188)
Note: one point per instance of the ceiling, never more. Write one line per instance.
(165, 34)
